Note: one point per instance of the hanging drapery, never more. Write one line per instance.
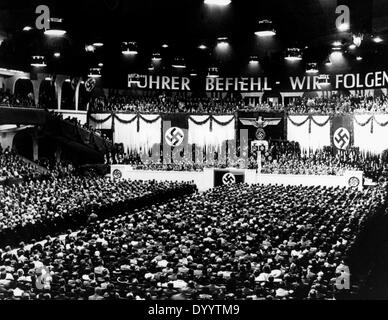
(363, 136)
(101, 121)
(124, 130)
(222, 129)
(311, 132)
(298, 130)
(138, 133)
(371, 132)
(211, 131)
(319, 132)
(199, 128)
(380, 133)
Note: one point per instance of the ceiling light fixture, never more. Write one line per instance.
(377, 39)
(129, 48)
(312, 68)
(179, 63)
(156, 56)
(213, 72)
(324, 80)
(265, 29)
(222, 42)
(38, 61)
(56, 28)
(94, 73)
(253, 60)
(220, 3)
(293, 54)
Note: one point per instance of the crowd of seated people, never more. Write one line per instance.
(178, 163)
(336, 104)
(287, 158)
(16, 100)
(339, 105)
(58, 169)
(12, 166)
(233, 242)
(163, 104)
(282, 157)
(85, 126)
(40, 206)
(322, 105)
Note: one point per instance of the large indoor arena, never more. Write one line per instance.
(193, 150)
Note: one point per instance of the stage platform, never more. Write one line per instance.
(212, 177)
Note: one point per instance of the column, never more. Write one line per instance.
(35, 149)
(58, 153)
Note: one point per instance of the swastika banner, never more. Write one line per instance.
(226, 177)
(175, 134)
(342, 132)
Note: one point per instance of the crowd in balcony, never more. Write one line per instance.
(85, 126)
(12, 166)
(340, 105)
(164, 104)
(231, 243)
(16, 100)
(337, 104)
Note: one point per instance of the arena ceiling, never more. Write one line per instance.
(184, 24)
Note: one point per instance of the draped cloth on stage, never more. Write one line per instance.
(211, 131)
(371, 132)
(311, 132)
(101, 121)
(298, 130)
(138, 133)
(320, 132)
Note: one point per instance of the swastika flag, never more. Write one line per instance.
(226, 177)
(341, 132)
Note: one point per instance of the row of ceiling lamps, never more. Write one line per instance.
(292, 55)
(265, 29)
